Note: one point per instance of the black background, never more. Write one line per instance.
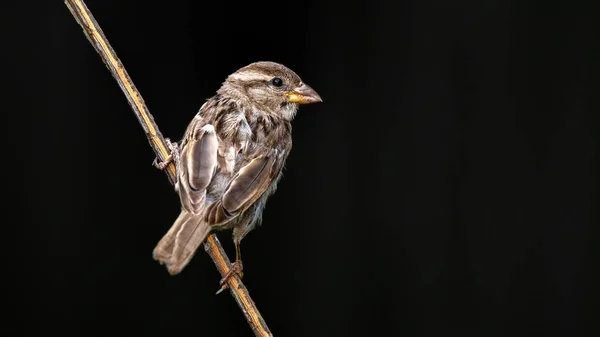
(447, 184)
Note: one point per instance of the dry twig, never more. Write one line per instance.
(212, 245)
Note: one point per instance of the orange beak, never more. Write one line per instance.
(303, 95)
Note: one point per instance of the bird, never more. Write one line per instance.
(230, 159)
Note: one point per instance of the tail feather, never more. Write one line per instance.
(181, 242)
(164, 249)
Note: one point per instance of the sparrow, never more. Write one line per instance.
(230, 159)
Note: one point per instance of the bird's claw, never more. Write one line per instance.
(172, 157)
(236, 269)
(163, 164)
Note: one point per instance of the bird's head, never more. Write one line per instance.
(271, 86)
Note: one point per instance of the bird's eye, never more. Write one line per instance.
(277, 82)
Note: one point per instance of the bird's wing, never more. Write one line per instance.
(195, 171)
(246, 187)
(197, 166)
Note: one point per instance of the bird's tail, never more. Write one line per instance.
(179, 245)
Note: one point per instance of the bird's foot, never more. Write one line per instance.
(172, 157)
(236, 269)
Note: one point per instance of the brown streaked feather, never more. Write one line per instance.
(245, 188)
(203, 160)
(252, 216)
(178, 246)
(197, 167)
(249, 184)
(190, 236)
(164, 249)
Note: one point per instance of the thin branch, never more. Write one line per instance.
(212, 245)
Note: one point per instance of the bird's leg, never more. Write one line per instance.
(236, 268)
(172, 157)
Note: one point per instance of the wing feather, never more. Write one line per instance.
(246, 187)
(198, 163)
